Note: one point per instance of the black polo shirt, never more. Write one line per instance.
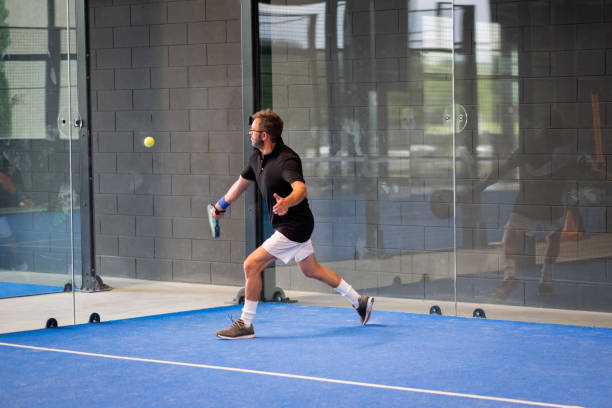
(274, 174)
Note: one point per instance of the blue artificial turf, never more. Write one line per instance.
(536, 362)
(13, 289)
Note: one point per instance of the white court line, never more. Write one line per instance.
(299, 377)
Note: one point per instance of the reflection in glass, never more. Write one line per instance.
(531, 179)
(367, 92)
(363, 93)
(36, 143)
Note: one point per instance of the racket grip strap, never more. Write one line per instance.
(217, 211)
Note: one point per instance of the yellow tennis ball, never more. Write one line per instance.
(149, 141)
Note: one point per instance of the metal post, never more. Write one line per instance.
(251, 92)
(91, 281)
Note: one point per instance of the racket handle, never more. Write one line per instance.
(215, 229)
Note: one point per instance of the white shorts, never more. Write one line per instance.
(284, 249)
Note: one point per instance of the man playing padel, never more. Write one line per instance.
(277, 170)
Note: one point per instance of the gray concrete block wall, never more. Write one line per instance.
(171, 70)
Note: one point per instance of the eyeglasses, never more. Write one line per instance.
(256, 131)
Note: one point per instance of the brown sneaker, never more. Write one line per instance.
(365, 308)
(237, 330)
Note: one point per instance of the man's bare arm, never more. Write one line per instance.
(234, 192)
(297, 196)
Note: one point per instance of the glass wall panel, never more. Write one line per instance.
(365, 91)
(534, 183)
(452, 151)
(36, 88)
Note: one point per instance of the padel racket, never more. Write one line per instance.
(215, 229)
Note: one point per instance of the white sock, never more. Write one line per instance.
(348, 292)
(248, 312)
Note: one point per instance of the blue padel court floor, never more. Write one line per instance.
(13, 289)
(307, 356)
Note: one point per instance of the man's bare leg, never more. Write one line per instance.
(253, 265)
(512, 244)
(553, 244)
(313, 269)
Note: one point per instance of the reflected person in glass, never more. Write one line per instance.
(277, 171)
(545, 201)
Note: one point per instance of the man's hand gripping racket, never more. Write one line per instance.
(213, 219)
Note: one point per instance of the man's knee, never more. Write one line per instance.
(251, 268)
